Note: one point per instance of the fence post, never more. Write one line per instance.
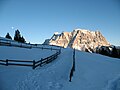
(74, 60)
(31, 46)
(10, 43)
(73, 67)
(33, 64)
(41, 62)
(47, 60)
(60, 50)
(20, 44)
(6, 62)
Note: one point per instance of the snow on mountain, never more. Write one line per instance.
(92, 72)
(80, 39)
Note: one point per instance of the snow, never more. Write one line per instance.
(113, 84)
(92, 71)
(82, 30)
(56, 33)
(17, 53)
(45, 78)
(93, 33)
(85, 31)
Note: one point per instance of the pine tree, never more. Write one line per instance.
(104, 52)
(18, 37)
(22, 39)
(8, 36)
(114, 52)
(118, 53)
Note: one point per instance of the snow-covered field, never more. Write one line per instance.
(92, 71)
(17, 53)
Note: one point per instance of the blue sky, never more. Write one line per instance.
(37, 20)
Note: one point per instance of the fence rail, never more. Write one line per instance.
(31, 63)
(7, 42)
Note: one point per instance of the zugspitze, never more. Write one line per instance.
(79, 39)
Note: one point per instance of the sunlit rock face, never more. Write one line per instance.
(79, 39)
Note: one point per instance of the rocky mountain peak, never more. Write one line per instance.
(80, 39)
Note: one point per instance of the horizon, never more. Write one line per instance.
(38, 20)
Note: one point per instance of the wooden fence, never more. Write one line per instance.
(12, 43)
(31, 63)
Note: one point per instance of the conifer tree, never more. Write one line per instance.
(104, 52)
(8, 36)
(22, 39)
(18, 37)
(114, 52)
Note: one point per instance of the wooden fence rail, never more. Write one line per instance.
(7, 42)
(24, 45)
(31, 63)
(15, 45)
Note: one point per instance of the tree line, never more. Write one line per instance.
(113, 52)
(17, 36)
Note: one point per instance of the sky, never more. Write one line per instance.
(37, 20)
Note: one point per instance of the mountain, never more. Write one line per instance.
(80, 39)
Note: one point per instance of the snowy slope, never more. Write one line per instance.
(95, 72)
(24, 78)
(92, 72)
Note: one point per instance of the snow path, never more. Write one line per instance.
(50, 77)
